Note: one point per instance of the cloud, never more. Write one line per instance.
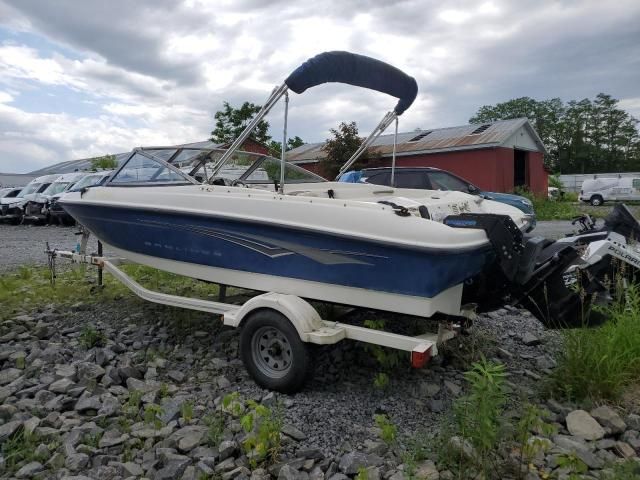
(156, 71)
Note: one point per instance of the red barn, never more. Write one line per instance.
(497, 157)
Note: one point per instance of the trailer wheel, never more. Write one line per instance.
(272, 352)
(596, 200)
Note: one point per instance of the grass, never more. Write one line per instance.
(599, 363)
(90, 337)
(20, 449)
(26, 288)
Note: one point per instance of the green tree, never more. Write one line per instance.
(105, 162)
(230, 122)
(344, 142)
(585, 136)
(275, 148)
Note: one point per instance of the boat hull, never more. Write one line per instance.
(267, 256)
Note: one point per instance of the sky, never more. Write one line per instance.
(88, 78)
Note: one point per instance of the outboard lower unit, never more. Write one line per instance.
(557, 281)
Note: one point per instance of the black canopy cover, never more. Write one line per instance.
(358, 70)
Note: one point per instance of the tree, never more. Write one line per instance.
(585, 136)
(106, 162)
(275, 148)
(339, 148)
(230, 122)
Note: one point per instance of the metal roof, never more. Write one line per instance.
(431, 140)
(85, 163)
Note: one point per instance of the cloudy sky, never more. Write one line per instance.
(80, 78)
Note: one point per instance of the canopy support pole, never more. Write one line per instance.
(283, 154)
(393, 156)
(271, 101)
(381, 127)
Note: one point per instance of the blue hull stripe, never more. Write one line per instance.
(281, 251)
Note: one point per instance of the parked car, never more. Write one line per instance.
(57, 213)
(596, 191)
(10, 192)
(36, 210)
(12, 209)
(430, 178)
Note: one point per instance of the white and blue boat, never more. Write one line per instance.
(257, 222)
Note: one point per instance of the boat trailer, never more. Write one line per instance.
(276, 329)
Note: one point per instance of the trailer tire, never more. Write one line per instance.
(596, 200)
(273, 353)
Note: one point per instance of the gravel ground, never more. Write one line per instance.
(25, 244)
(51, 383)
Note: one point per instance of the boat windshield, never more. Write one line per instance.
(142, 169)
(31, 188)
(199, 164)
(56, 187)
(89, 181)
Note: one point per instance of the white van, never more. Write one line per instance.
(599, 190)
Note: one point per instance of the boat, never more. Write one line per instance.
(275, 227)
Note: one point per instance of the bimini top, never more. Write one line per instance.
(358, 70)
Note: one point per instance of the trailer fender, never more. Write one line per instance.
(300, 313)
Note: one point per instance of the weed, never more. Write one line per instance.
(262, 426)
(20, 448)
(477, 418)
(389, 431)
(216, 424)
(186, 410)
(92, 440)
(363, 474)
(231, 404)
(132, 408)
(381, 381)
(573, 465)
(90, 337)
(164, 390)
(152, 413)
(21, 363)
(532, 419)
(599, 363)
(628, 470)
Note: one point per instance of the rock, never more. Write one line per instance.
(429, 389)
(462, 448)
(190, 441)
(227, 449)
(111, 438)
(570, 443)
(427, 471)
(61, 386)
(110, 405)
(174, 467)
(30, 470)
(88, 403)
(530, 339)
(9, 429)
(171, 408)
(176, 375)
(581, 424)
(287, 472)
(624, 450)
(435, 405)
(76, 461)
(452, 388)
(8, 375)
(633, 421)
(609, 418)
(351, 462)
(590, 460)
(236, 472)
(89, 372)
(293, 432)
(130, 469)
